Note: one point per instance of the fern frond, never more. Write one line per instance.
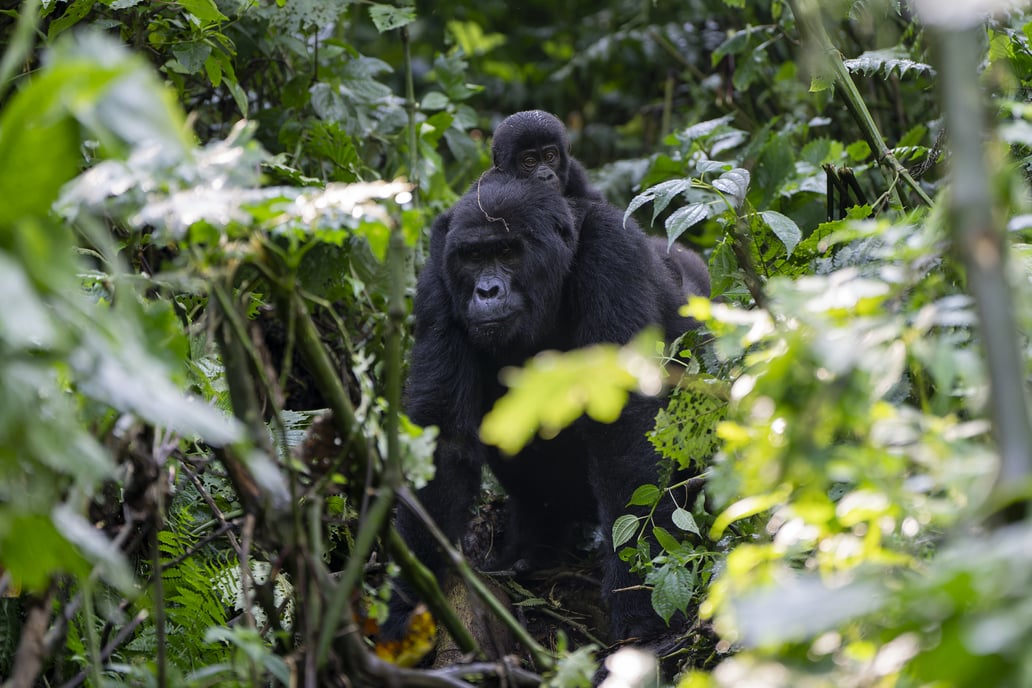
(888, 62)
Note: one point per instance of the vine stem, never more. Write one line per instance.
(811, 28)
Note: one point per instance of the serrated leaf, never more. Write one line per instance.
(645, 495)
(684, 520)
(704, 128)
(784, 228)
(661, 193)
(672, 587)
(683, 218)
(723, 268)
(387, 17)
(707, 166)
(624, 528)
(734, 183)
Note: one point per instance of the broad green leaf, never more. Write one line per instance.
(667, 541)
(192, 56)
(733, 183)
(434, 100)
(672, 587)
(554, 389)
(661, 193)
(72, 16)
(624, 528)
(205, 10)
(684, 218)
(32, 561)
(387, 17)
(34, 121)
(644, 495)
(703, 129)
(684, 520)
(859, 150)
(784, 228)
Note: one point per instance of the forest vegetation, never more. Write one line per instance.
(213, 216)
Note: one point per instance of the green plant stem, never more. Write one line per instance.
(543, 659)
(982, 248)
(20, 45)
(327, 377)
(395, 322)
(337, 609)
(808, 16)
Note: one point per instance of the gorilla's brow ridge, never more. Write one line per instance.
(481, 205)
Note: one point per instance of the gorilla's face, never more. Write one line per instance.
(533, 144)
(506, 256)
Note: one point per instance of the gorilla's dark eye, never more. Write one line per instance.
(528, 161)
(550, 155)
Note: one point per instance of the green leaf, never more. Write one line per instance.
(661, 193)
(434, 100)
(684, 520)
(645, 495)
(192, 56)
(684, 218)
(624, 528)
(29, 181)
(784, 228)
(32, 549)
(72, 16)
(667, 541)
(205, 10)
(733, 183)
(554, 389)
(858, 150)
(672, 587)
(471, 38)
(387, 17)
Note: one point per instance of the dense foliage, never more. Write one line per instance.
(213, 215)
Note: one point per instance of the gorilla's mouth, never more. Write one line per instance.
(492, 322)
(492, 333)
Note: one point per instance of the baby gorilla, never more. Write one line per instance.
(533, 143)
(516, 268)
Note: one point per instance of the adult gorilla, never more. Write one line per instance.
(533, 143)
(515, 268)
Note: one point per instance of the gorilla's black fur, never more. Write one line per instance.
(533, 143)
(515, 268)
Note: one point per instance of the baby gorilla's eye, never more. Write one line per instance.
(528, 162)
(551, 156)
